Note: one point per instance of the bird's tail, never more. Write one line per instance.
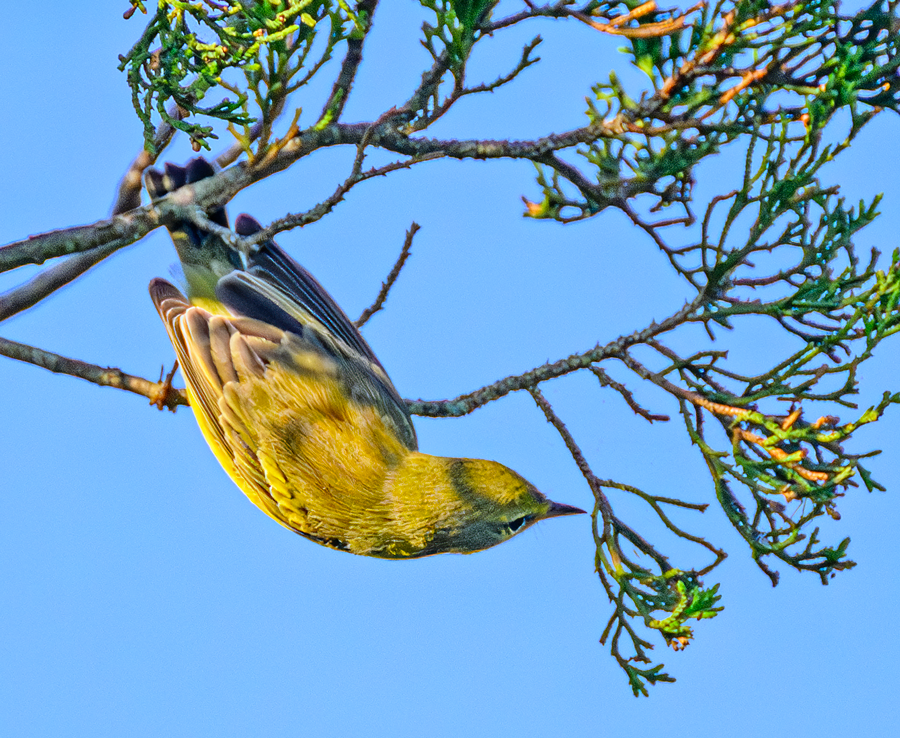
(205, 257)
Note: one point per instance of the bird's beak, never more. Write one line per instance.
(557, 509)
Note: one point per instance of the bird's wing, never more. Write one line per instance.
(276, 408)
(212, 353)
(307, 299)
(277, 291)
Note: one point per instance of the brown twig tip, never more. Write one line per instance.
(717, 408)
(792, 418)
(645, 30)
(130, 12)
(781, 455)
(164, 395)
(825, 420)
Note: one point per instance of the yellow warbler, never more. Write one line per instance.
(303, 417)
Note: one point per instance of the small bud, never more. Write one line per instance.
(535, 209)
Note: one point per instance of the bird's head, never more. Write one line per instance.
(494, 504)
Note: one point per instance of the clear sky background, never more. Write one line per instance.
(142, 595)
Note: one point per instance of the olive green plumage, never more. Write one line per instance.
(303, 417)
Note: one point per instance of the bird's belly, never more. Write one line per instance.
(325, 478)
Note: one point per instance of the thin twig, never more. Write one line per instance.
(607, 381)
(349, 67)
(611, 523)
(233, 152)
(574, 450)
(391, 278)
(128, 195)
(298, 220)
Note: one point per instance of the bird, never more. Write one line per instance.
(303, 417)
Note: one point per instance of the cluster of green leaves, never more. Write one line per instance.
(840, 318)
(680, 595)
(771, 78)
(739, 65)
(455, 27)
(188, 48)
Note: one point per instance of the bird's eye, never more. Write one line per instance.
(516, 525)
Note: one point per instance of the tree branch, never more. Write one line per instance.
(464, 404)
(127, 227)
(51, 279)
(160, 393)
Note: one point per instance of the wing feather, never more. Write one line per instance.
(245, 359)
(271, 264)
(202, 343)
(220, 334)
(309, 313)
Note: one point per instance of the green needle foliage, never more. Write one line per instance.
(788, 86)
(188, 49)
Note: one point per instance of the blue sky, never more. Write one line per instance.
(142, 595)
